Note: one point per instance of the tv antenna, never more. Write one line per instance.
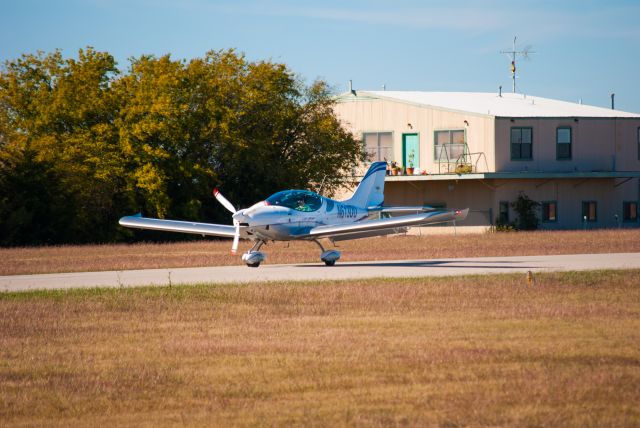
(513, 55)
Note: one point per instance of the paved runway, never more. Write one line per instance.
(347, 270)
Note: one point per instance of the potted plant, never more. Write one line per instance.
(410, 163)
(395, 169)
(463, 169)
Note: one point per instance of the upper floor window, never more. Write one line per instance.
(521, 143)
(448, 145)
(563, 143)
(378, 146)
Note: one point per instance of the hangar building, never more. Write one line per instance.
(480, 150)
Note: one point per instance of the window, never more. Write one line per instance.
(630, 211)
(449, 145)
(299, 200)
(638, 143)
(563, 143)
(378, 146)
(549, 211)
(503, 215)
(521, 143)
(589, 211)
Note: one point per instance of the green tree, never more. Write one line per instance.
(58, 133)
(251, 127)
(82, 143)
(526, 209)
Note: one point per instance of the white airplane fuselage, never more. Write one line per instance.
(278, 223)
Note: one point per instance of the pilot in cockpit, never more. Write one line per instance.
(302, 206)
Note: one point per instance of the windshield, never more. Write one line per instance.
(299, 200)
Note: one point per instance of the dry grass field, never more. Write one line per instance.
(479, 351)
(15, 261)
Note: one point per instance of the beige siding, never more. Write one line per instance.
(470, 194)
(597, 145)
(483, 198)
(384, 115)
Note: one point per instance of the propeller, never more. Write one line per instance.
(228, 205)
(236, 237)
(224, 201)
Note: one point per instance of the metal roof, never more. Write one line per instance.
(515, 175)
(492, 104)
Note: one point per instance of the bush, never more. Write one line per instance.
(526, 209)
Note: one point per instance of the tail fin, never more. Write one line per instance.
(370, 191)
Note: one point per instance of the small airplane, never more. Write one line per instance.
(304, 215)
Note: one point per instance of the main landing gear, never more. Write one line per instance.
(254, 256)
(329, 257)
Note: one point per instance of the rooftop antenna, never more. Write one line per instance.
(319, 192)
(351, 87)
(513, 55)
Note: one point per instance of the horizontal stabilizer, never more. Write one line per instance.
(138, 222)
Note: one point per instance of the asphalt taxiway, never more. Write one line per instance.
(319, 272)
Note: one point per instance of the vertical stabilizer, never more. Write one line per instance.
(370, 192)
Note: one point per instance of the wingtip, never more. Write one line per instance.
(461, 213)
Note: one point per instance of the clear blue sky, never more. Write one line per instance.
(584, 49)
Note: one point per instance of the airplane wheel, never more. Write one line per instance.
(253, 264)
(330, 263)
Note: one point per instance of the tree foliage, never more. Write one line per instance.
(82, 143)
(526, 209)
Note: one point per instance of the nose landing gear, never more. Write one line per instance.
(253, 257)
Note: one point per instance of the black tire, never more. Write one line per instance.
(330, 263)
(253, 264)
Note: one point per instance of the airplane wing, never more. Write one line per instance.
(405, 209)
(139, 222)
(358, 228)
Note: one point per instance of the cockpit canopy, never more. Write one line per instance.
(299, 200)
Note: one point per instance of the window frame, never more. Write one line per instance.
(500, 205)
(378, 147)
(624, 211)
(511, 143)
(542, 206)
(582, 216)
(449, 130)
(570, 143)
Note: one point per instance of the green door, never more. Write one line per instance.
(410, 150)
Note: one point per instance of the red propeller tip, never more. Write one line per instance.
(215, 191)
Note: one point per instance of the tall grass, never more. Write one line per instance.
(15, 261)
(477, 350)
